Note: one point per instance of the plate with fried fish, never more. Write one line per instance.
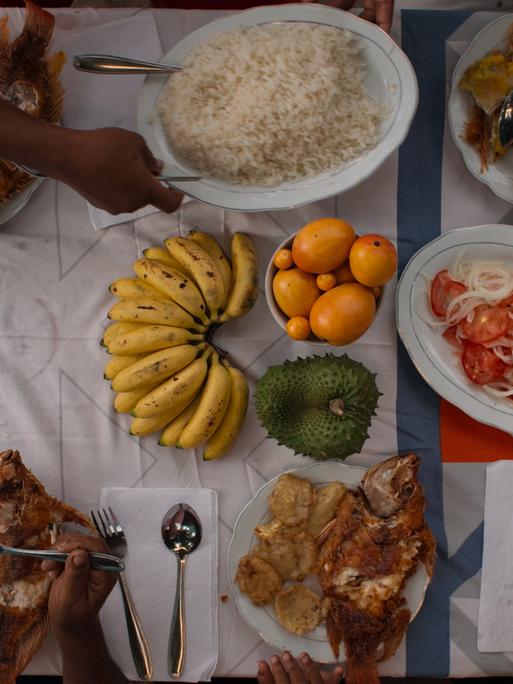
(481, 80)
(334, 560)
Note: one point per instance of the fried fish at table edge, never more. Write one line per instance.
(374, 545)
(489, 80)
(29, 81)
(26, 514)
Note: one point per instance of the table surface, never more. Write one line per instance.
(55, 407)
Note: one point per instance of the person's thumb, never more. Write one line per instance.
(165, 199)
(76, 573)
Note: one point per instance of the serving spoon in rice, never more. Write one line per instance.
(110, 64)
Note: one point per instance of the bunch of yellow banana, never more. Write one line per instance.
(164, 367)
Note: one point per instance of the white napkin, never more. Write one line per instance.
(151, 575)
(495, 624)
(98, 100)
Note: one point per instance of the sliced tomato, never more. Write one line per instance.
(489, 323)
(443, 290)
(481, 364)
(450, 336)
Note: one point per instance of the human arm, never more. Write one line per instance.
(111, 167)
(76, 596)
(379, 12)
(285, 669)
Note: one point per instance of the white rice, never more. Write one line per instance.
(270, 104)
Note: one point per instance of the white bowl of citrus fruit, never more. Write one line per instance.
(323, 285)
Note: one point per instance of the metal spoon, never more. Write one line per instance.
(181, 532)
(505, 124)
(111, 64)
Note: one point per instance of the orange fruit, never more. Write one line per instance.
(322, 245)
(376, 291)
(373, 260)
(298, 328)
(283, 259)
(295, 292)
(343, 314)
(343, 274)
(325, 281)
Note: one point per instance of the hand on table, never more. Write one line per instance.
(377, 11)
(115, 170)
(77, 592)
(288, 670)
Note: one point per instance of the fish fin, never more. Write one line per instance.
(38, 21)
(55, 95)
(31, 643)
(362, 673)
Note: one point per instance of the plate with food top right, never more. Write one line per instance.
(480, 82)
(455, 318)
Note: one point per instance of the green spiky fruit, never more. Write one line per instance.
(320, 406)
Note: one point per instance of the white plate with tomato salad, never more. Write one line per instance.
(455, 318)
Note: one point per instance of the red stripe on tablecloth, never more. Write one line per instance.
(463, 439)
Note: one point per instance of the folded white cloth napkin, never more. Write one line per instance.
(151, 575)
(495, 624)
(99, 100)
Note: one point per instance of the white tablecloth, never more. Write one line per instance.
(57, 409)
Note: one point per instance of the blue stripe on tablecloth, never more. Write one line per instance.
(424, 34)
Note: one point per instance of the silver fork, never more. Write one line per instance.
(111, 530)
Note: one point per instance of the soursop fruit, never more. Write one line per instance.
(320, 406)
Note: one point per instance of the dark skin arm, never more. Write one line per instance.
(76, 596)
(111, 167)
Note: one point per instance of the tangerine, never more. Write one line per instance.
(343, 274)
(298, 328)
(373, 260)
(283, 259)
(295, 292)
(325, 281)
(341, 315)
(322, 245)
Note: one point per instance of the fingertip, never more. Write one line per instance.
(79, 559)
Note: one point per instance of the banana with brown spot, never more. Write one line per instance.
(153, 311)
(213, 248)
(154, 368)
(244, 290)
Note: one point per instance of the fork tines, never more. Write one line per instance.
(108, 526)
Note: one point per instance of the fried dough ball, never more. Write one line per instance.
(325, 507)
(258, 579)
(299, 609)
(276, 528)
(292, 499)
(293, 557)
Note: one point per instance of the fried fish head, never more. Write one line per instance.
(299, 609)
(258, 579)
(292, 499)
(293, 556)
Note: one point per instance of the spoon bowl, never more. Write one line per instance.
(505, 123)
(181, 532)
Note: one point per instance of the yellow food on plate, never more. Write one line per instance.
(341, 315)
(323, 245)
(299, 609)
(373, 260)
(293, 557)
(298, 328)
(325, 507)
(291, 499)
(258, 579)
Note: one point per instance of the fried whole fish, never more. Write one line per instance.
(27, 514)
(374, 545)
(30, 81)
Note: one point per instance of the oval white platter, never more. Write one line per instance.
(390, 79)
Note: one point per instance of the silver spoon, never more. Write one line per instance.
(181, 532)
(111, 64)
(505, 124)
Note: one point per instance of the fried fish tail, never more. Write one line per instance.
(362, 673)
(38, 22)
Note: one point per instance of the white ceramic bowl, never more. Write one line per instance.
(390, 79)
(18, 202)
(499, 176)
(431, 354)
(275, 310)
